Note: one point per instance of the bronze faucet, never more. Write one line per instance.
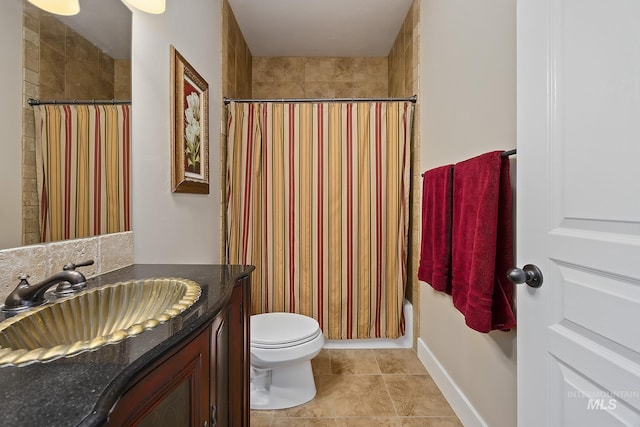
(25, 296)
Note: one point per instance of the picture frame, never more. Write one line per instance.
(190, 127)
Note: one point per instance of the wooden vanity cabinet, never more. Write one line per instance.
(173, 392)
(230, 399)
(240, 352)
(203, 382)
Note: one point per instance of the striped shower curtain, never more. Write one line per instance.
(83, 170)
(318, 201)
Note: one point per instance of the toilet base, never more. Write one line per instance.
(291, 385)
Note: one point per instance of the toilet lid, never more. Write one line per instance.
(275, 330)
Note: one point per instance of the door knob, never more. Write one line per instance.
(529, 274)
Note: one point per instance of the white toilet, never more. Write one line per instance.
(282, 346)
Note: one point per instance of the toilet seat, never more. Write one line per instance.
(282, 330)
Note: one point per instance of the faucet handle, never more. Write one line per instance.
(72, 266)
(65, 288)
(23, 280)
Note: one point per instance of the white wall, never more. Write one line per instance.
(173, 228)
(10, 123)
(468, 107)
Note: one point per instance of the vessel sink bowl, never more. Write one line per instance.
(92, 319)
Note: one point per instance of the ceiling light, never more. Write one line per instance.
(59, 7)
(149, 6)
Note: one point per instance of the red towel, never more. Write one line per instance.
(435, 249)
(482, 244)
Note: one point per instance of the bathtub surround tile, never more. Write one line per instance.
(29, 158)
(122, 79)
(403, 73)
(31, 238)
(79, 48)
(320, 77)
(351, 69)
(31, 222)
(277, 69)
(319, 90)
(52, 33)
(30, 23)
(360, 90)
(30, 212)
(263, 90)
(29, 144)
(376, 89)
(32, 49)
(231, 65)
(236, 83)
(30, 75)
(417, 396)
(32, 10)
(320, 69)
(81, 77)
(52, 75)
(30, 91)
(30, 199)
(377, 70)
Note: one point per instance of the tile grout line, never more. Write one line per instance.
(334, 419)
(386, 386)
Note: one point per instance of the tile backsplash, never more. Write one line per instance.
(110, 252)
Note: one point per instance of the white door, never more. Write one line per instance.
(578, 210)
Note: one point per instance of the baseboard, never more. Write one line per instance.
(463, 408)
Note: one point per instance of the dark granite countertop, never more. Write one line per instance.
(81, 390)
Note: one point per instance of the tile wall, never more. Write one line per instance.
(122, 79)
(236, 83)
(404, 81)
(319, 77)
(110, 252)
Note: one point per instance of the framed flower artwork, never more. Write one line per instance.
(190, 128)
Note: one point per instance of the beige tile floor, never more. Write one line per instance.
(367, 388)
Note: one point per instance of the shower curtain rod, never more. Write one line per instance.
(412, 99)
(33, 102)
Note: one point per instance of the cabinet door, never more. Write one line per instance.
(239, 351)
(219, 391)
(174, 393)
(230, 360)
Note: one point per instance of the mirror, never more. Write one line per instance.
(81, 57)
